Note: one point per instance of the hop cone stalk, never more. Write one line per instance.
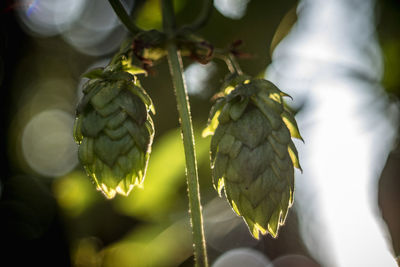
(252, 153)
(114, 129)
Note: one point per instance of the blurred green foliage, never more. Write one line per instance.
(165, 178)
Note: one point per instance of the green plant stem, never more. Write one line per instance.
(233, 64)
(203, 16)
(229, 60)
(175, 65)
(123, 16)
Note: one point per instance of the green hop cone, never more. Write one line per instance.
(114, 130)
(252, 153)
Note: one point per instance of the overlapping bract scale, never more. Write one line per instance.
(114, 131)
(252, 153)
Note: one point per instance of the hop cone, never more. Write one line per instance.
(114, 130)
(252, 154)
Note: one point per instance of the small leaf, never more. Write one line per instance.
(118, 76)
(105, 95)
(224, 116)
(280, 149)
(141, 137)
(89, 90)
(219, 169)
(109, 108)
(78, 129)
(282, 135)
(115, 134)
(92, 124)
(218, 134)
(85, 152)
(140, 92)
(132, 69)
(116, 120)
(150, 126)
(96, 73)
(291, 124)
(277, 106)
(272, 116)
(219, 103)
(294, 155)
(212, 125)
(225, 144)
(238, 108)
(220, 186)
(274, 223)
(133, 106)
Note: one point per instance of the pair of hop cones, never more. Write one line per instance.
(252, 154)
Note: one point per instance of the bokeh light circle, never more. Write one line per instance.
(197, 77)
(46, 17)
(233, 9)
(293, 260)
(97, 31)
(47, 143)
(225, 230)
(242, 257)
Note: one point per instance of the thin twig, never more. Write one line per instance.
(124, 16)
(229, 60)
(202, 18)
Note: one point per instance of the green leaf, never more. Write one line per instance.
(133, 106)
(224, 116)
(226, 143)
(106, 94)
(89, 90)
(274, 223)
(116, 120)
(140, 92)
(282, 135)
(108, 150)
(294, 155)
(238, 108)
(132, 69)
(96, 73)
(219, 169)
(86, 152)
(108, 109)
(150, 127)
(218, 134)
(118, 76)
(139, 134)
(291, 124)
(274, 119)
(251, 129)
(275, 105)
(212, 125)
(92, 124)
(78, 129)
(115, 134)
(125, 164)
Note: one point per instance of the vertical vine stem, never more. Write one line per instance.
(175, 65)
